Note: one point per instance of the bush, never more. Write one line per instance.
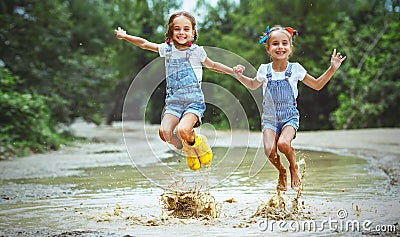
(26, 123)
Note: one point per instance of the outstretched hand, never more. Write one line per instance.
(238, 70)
(337, 59)
(120, 33)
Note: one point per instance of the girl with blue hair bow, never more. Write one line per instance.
(280, 117)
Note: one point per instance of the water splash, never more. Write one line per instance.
(183, 202)
(278, 207)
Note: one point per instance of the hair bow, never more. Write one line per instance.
(290, 30)
(263, 39)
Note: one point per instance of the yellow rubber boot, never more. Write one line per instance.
(192, 160)
(202, 149)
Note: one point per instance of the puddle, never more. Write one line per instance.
(121, 200)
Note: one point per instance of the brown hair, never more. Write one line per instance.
(186, 14)
(291, 33)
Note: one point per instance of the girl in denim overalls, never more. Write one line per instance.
(280, 117)
(184, 102)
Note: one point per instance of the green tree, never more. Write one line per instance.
(368, 91)
(25, 119)
(65, 62)
(58, 50)
(145, 19)
(237, 28)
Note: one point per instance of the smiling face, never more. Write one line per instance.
(279, 45)
(182, 29)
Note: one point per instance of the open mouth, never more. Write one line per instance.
(181, 38)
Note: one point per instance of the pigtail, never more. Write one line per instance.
(293, 33)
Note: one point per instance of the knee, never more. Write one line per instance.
(269, 152)
(165, 134)
(186, 133)
(284, 146)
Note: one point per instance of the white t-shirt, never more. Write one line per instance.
(197, 56)
(298, 74)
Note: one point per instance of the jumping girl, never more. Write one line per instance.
(184, 102)
(280, 118)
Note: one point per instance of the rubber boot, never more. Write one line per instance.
(192, 160)
(202, 149)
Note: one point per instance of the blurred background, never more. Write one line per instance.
(60, 61)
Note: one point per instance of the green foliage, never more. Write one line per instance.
(237, 28)
(368, 84)
(145, 19)
(66, 63)
(58, 48)
(25, 122)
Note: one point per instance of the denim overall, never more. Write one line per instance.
(184, 92)
(283, 111)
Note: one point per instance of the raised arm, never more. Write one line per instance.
(138, 41)
(251, 83)
(217, 67)
(320, 82)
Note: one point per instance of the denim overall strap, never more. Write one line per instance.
(281, 93)
(179, 71)
(168, 53)
(183, 88)
(269, 72)
(189, 52)
(288, 74)
(279, 108)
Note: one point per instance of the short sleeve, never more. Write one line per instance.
(202, 54)
(161, 49)
(300, 70)
(262, 73)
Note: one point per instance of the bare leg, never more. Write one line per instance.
(186, 132)
(166, 131)
(285, 146)
(185, 127)
(270, 149)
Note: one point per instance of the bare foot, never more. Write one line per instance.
(282, 181)
(294, 176)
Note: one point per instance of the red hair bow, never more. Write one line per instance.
(290, 30)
